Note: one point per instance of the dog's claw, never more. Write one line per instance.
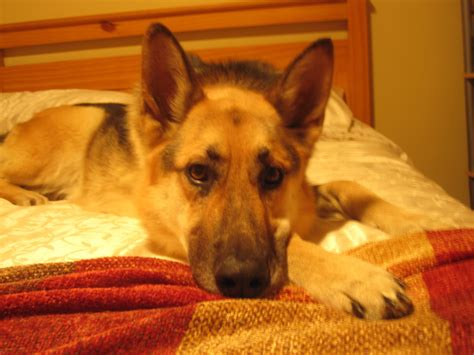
(390, 308)
(400, 283)
(357, 309)
(395, 309)
(406, 302)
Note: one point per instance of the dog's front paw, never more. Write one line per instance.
(28, 198)
(380, 297)
(347, 283)
(365, 290)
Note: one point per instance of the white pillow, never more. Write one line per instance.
(21, 106)
(338, 114)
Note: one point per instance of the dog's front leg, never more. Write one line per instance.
(346, 283)
(352, 201)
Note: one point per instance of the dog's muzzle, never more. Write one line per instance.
(247, 278)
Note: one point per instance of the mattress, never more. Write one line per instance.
(348, 150)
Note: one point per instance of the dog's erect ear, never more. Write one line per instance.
(169, 85)
(302, 93)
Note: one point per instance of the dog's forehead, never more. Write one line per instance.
(240, 105)
(232, 127)
(231, 117)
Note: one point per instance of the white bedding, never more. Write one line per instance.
(348, 150)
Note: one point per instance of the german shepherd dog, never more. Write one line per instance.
(212, 159)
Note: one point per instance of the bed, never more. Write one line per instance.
(68, 270)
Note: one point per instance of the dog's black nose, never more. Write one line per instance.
(242, 279)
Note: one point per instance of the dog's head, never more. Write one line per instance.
(225, 180)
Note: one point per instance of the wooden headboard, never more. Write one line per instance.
(352, 67)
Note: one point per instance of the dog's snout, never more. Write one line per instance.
(242, 279)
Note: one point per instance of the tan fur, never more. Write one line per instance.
(232, 225)
(48, 150)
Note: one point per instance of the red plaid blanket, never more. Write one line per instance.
(128, 304)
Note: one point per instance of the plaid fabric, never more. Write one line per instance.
(128, 304)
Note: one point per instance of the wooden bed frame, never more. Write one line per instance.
(352, 69)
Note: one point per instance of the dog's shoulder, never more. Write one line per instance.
(115, 121)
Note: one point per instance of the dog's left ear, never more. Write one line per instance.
(302, 93)
(169, 84)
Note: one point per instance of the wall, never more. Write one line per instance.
(417, 73)
(418, 88)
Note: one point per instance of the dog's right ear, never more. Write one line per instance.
(169, 84)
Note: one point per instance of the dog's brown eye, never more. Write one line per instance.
(198, 173)
(272, 177)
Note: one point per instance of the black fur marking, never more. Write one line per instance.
(263, 156)
(115, 121)
(235, 116)
(252, 75)
(213, 154)
(113, 109)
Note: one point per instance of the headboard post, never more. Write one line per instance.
(352, 66)
(359, 71)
